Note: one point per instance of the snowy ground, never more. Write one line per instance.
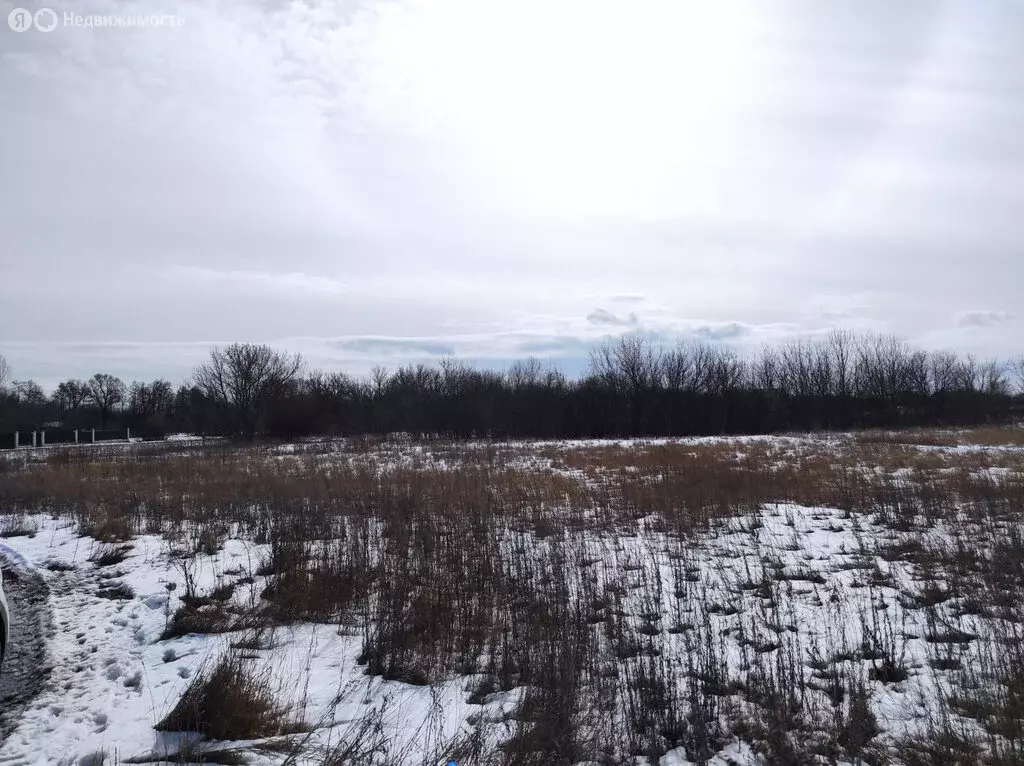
(786, 589)
(113, 678)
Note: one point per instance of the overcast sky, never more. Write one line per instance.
(384, 180)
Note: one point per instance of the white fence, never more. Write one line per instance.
(63, 437)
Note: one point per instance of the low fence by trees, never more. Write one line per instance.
(49, 437)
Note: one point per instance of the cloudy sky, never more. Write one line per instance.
(374, 181)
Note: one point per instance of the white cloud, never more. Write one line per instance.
(447, 169)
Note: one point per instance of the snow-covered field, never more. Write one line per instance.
(792, 629)
(113, 678)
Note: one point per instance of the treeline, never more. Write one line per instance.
(631, 388)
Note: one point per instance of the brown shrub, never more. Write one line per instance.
(231, 702)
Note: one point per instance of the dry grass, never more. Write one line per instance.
(519, 564)
(230, 702)
(986, 436)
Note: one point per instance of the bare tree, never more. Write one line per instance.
(679, 367)
(378, 379)
(5, 373)
(766, 371)
(26, 402)
(629, 363)
(797, 363)
(70, 395)
(334, 386)
(970, 373)
(943, 371)
(525, 374)
(841, 344)
(105, 392)
(1017, 366)
(29, 393)
(916, 373)
(146, 400)
(243, 378)
(823, 371)
(455, 374)
(887, 366)
(727, 372)
(631, 366)
(705, 360)
(993, 378)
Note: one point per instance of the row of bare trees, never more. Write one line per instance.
(96, 401)
(232, 392)
(840, 381)
(632, 387)
(842, 364)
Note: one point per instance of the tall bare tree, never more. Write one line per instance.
(629, 363)
(244, 378)
(5, 374)
(146, 400)
(993, 378)
(1017, 366)
(797, 364)
(25, 401)
(766, 370)
(105, 392)
(632, 366)
(679, 367)
(525, 374)
(944, 372)
(70, 395)
(29, 393)
(842, 344)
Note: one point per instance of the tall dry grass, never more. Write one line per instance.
(512, 563)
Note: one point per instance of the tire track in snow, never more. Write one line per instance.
(25, 669)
